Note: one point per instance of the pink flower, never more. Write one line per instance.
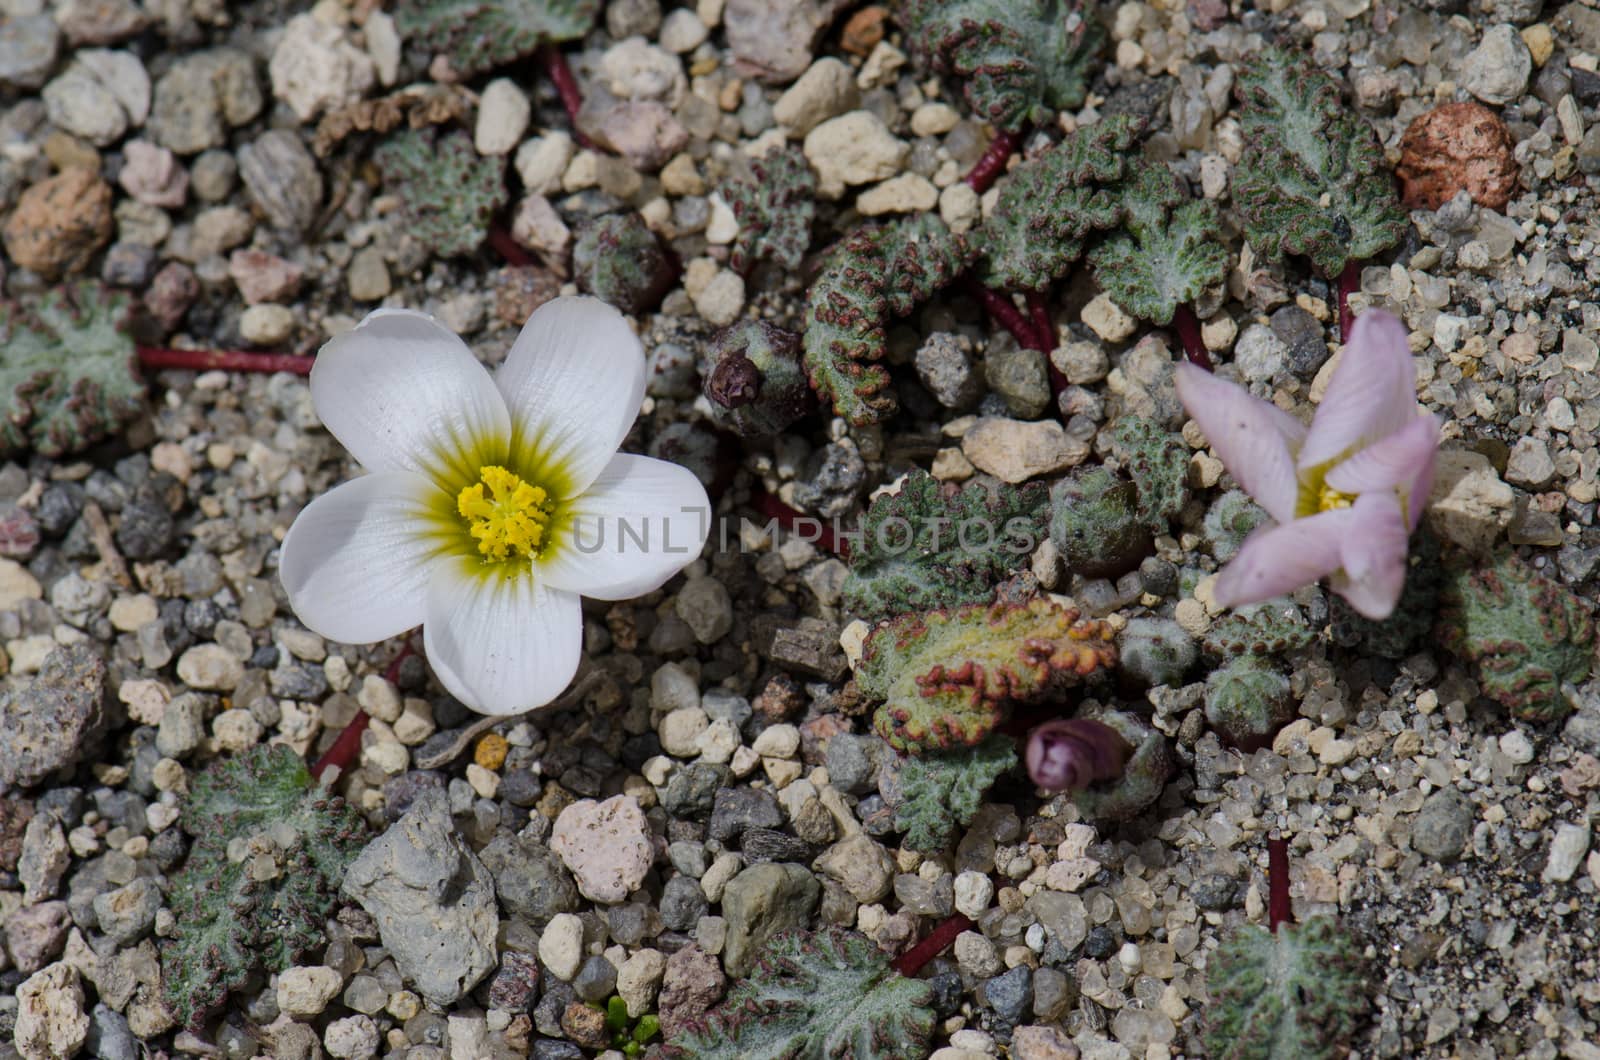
(1346, 492)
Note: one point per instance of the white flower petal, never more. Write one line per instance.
(1253, 439)
(357, 560)
(574, 380)
(501, 645)
(1373, 392)
(403, 393)
(637, 525)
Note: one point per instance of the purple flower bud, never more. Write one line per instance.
(1071, 754)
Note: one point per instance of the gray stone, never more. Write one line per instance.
(183, 725)
(1497, 70)
(759, 903)
(852, 762)
(201, 97)
(433, 901)
(282, 179)
(109, 1036)
(128, 912)
(683, 903)
(1567, 848)
(54, 718)
(737, 809)
(1010, 994)
(1302, 337)
(692, 791)
(1062, 915)
(1442, 827)
(1259, 354)
(705, 606)
(1053, 994)
(530, 879)
(44, 858)
(946, 369)
(1021, 378)
(596, 979)
(27, 50)
(832, 477)
(84, 107)
(773, 39)
(1529, 464)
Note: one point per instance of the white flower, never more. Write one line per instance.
(491, 503)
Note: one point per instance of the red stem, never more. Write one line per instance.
(560, 74)
(911, 961)
(786, 517)
(1194, 347)
(348, 745)
(501, 243)
(1045, 329)
(1349, 284)
(1278, 911)
(1005, 314)
(156, 358)
(993, 162)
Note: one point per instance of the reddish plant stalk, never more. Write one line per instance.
(1194, 347)
(1349, 284)
(1005, 314)
(1278, 911)
(911, 961)
(348, 745)
(1045, 329)
(786, 517)
(156, 358)
(993, 163)
(501, 243)
(560, 74)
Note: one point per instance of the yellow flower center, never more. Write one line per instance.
(504, 514)
(1329, 499)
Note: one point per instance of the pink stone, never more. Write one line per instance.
(153, 175)
(606, 845)
(263, 277)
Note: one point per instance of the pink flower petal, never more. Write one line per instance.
(1391, 463)
(1253, 439)
(1374, 555)
(1372, 395)
(1279, 559)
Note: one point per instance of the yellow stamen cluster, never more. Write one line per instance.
(1329, 499)
(504, 514)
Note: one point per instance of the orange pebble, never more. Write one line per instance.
(491, 751)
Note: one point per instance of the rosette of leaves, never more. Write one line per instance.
(1096, 522)
(1311, 180)
(933, 544)
(1247, 701)
(1168, 250)
(1527, 634)
(270, 850)
(822, 995)
(754, 382)
(447, 191)
(1299, 993)
(1269, 628)
(1144, 775)
(877, 273)
(1018, 61)
(940, 793)
(1231, 518)
(629, 1037)
(1050, 206)
(69, 375)
(479, 35)
(948, 677)
(621, 262)
(774, 206)
(1158, 462)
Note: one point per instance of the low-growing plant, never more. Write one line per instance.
(830, 993)
(774, 206)
(269, 852)
(942, 792)
(619, 260)
(448, 192)
(479, 35)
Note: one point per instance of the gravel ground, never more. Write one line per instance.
(710, 779)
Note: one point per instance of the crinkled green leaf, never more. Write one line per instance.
(448, 192)
(940, 793)
(478, 35)
(1168, 251)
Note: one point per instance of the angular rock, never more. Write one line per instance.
(51, 1023)
(283, 179)
(432, 898)
(53, 719)
(1017, 450)
(759, 903)
(773, 39)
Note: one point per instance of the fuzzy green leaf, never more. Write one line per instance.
(1018, 61)
(877, 273)
(478, 35)
(828, 995)
(263, 874)
(1049, 207)
(448, 193)
(69, 376)
(947, 677)
(1300, 993)
(1528, 634)
(930, 545)
(1312, 179)
(943, 792)
(774, 206)
(1168, 251)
